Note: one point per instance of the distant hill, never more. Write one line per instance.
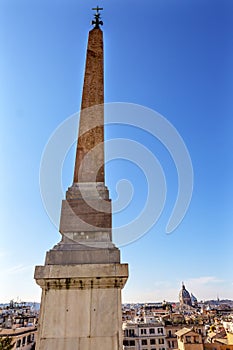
(222, 301)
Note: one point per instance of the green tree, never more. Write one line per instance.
(6, 343)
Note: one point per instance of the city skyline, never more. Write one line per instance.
(169, 57)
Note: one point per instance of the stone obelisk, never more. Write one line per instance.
(82, 277)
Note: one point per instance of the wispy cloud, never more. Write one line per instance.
(203, 280)
(203, 287)
(207, 287)
(17, 269)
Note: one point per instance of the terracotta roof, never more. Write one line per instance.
(16, 331)
(183, 331)
(222, 341)
(211, 334)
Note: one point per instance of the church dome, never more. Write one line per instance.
(184, 296)
(193, 299)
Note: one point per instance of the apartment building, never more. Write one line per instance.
(144, 336)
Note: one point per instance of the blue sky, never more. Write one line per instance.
(174, 57)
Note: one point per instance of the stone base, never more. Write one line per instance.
(86, 213)
(68, 252)
(78, 254)
(81, 306)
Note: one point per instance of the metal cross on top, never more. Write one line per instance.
(97, 21)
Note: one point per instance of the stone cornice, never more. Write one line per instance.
(86, 276)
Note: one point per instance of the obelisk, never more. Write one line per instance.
(82, 277)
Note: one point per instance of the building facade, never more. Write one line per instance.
(144, 336)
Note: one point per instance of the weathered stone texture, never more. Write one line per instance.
(86, 254)
(86, 213)
(77, 216)
(93, 95)
(81, 306)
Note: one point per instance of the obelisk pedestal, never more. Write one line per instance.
(81, 306)
(82, 280)
(82, 277)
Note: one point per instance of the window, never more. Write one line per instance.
(144, 341)
(29, 339)
(171, 344)
(18, 343)
(170, 333)
(161, 341)
(152, 342)
(160, 330)
(196, 340)
(188, 339)
(131, 332)
(152, 331)
(129, 342)
(161, 348)
(143, 331)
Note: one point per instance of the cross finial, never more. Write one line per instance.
(97, 22)
(97, 9)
